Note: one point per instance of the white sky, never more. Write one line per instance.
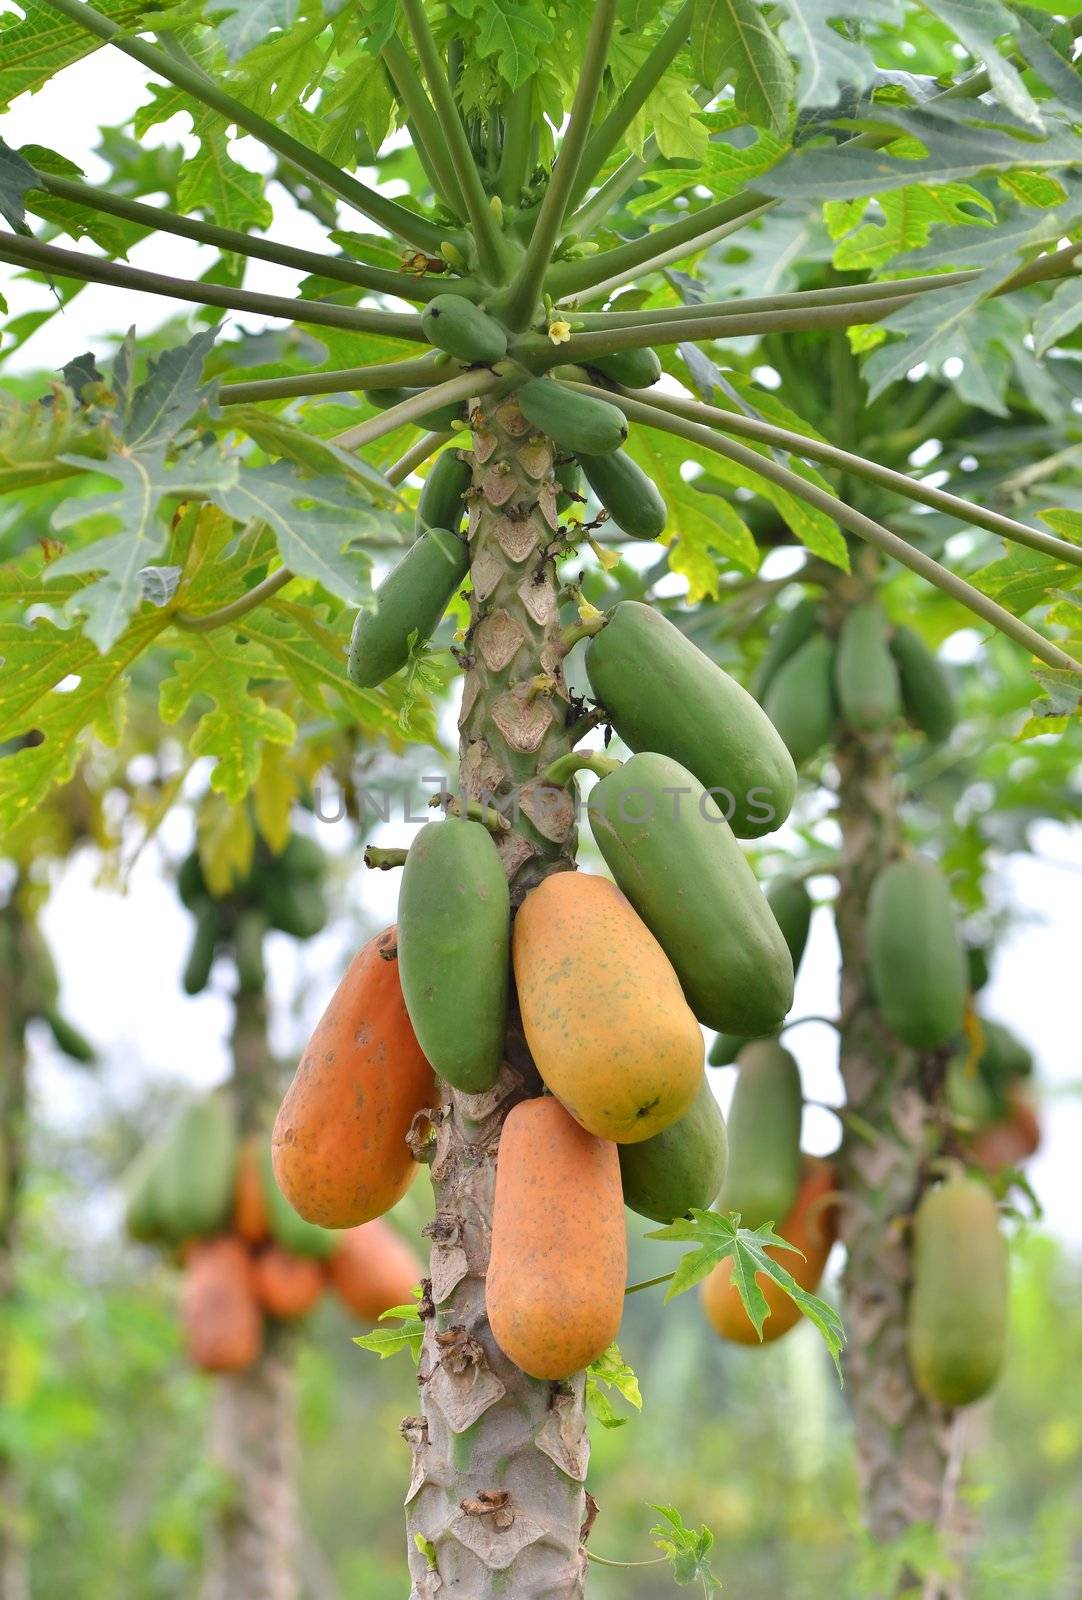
(123, 986)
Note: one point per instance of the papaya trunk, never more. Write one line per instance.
(14, 1562)
(253, 1542)
(496, 1500)
(905, 1446)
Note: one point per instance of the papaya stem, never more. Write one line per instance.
(525, 292)
(381, 280)
(798, 1022)
(604, 1561)
(466, 386)
(487, 816)
(514, 168)
(384, 859)
(445, 108)
(419, 372)
(676, 252)
(608, 133)
(426, 131)
(855, 521)
(315, 313)
(560, 773)
(405, 224)
(583, 348)
(649, 1283)
(586, 629)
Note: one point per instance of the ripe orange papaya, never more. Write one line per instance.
(250, 1220)
(558, 1267)
(285, 1285)
(957, 1321)
(1011, 1141)
(811, 1227)
(221, 1317)
(339, 1141)
(374, 1269)
(602, 1009)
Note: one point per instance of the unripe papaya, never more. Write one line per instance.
(294, 906)
(441, 504)
(917, 960)
(286, 1286)
(927, 692)
(608, 1027)
(791, 904)
(454, 945)
(725, 1049)
(384, 399)
(204, 946)
(142, 1212)
(635, 369)
(1004, 1056)
(681, 1167)
(75, 1045)
(373, 1269)
(577, 422)
(193, 1190)
(218, 1308)
(569, 479)
(339, 1142)
(191, 884)
(969, 1096)
(866, 677)
(409, 604)
(663, 694)
(957, 1324)
(810, 1226)
(675, 857)
(1012, 1140)
(251, 1221)
(627, 494)
(978, 961)
(248, 936)
(794, 629)
(764, 1136)
(554, 1292)
(800, 699)
(302, 859)
(456, 325)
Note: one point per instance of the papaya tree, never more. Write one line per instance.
(221, 505)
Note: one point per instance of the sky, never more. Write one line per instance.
(123, 988)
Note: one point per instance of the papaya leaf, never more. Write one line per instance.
(44, 41)
(17, 178)
(828, 60)
(514, 34)
(731, 40)
(1059, 316)
(611, 1371)
(721, 1238)
(698, 528)
(977, 24)
(407, 1335)
(221, 667)
(687, 1549)
(279, 436)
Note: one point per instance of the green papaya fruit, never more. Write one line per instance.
(571, 373)
(764, 1136)
(191, 884)
(296, 908)
(677, 860)
(978, 960)
(968, 1095)
(303, 858)
(441, 504)
(454, 931)
(39, 982)
(576, 422)
(628, 495)
(411, 600)
(800, 699)
(794, 629)
(68, 1038)
(865, 674)
(682, 1166)
(463, 329)
(193, 1186)
(248, 936)
(663, 694)
(569, 479)
(792, 907)
(927, 692)
(957, 1318)
(917, 959)
(384, 399)
(142, 1212)
(725, 1049)
(1005, 1056)
(204, 946)
(286, 1227)
(635, 369)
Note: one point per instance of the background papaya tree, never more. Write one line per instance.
(191, 498)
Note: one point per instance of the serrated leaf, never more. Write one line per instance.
(977, 24)
(250, 23)
(1026, 578)
(17, 178)
(36, 47)
(278, 436)
(828, 60)
(388, 1341)
(731, 40)
(514, 34)
(903, 220)
(688, 1549)
(212, 182)
(222, 667)
(152, 412)
(1059, 316)
(611, 1371)
(697, 529)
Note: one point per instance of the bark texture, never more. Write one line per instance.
(907, 1448)
(253, 1542)
(496, 1500)
(15, 960)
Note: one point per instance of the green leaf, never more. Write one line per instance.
(514, 34)
(903, 220)
(697, 527)
(408, 1335)
(36, 438)
(153, 412)
(829, 61)
(35, 47)
(611, 1371)
(720, 1238)
(221, 667)
(250, 24)
(1059, 316)
(688, 1549)
(978, 24)
(279, 436)
(17, 176)
(212, 182)
(731, 40)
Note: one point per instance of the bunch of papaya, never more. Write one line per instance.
(957, 1317)
(283, 891)
(810, 1226)
(916, 955)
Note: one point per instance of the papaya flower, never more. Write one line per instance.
(559, 332)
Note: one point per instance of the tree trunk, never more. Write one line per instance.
(14, 1563)
(906, 1447)
(253, 1544)
(496, 1500)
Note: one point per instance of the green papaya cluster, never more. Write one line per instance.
(916, 955)
(35, 993)
(866, 679)
(283, 891)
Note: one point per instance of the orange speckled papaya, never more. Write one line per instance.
(556, 1275)
(286, 1286)
(374, 1269)
(221, 1316)
(339, 1142)
(811, 1227)
(603, 1011)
